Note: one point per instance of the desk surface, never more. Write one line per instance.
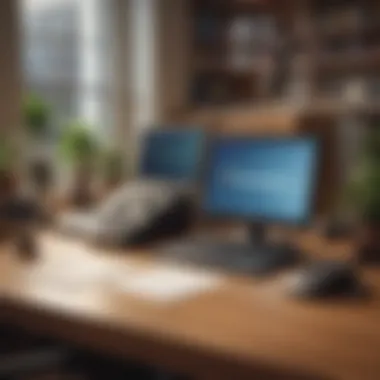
(244, 328)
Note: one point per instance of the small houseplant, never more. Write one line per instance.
(79, 149)
(37, 114)
(112, 168)
(364, 191)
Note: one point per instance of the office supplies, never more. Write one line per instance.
(262, 181)
(158, 204)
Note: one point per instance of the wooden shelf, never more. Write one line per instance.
(350, 31)
(216, 65)
(365, 60)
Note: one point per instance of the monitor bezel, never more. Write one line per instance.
(226, 216)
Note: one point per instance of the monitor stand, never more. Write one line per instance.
(258, 234)
(281, 252)
(258, 256)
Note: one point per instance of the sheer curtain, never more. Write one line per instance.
(144, 62)
(67, 59)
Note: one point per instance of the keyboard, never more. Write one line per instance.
(230, 256)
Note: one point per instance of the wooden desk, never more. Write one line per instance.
(247, 328)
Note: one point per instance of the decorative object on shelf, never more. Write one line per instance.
(364, 195)
(249, 39)
(112, 167)
(37, 115)
(241, 42)
(356, 92)
(79, 148)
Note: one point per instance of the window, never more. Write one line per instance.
(143, 62)
(67, 58)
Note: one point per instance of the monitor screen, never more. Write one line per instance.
(262, 179)
(172, 154)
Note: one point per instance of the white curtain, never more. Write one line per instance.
(144, 62)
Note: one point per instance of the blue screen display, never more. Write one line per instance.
(262, 179)
(172, 154)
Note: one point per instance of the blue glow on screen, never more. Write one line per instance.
(269, 179)
(172, 155)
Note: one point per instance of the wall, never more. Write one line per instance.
(173, 58)
(10, 77)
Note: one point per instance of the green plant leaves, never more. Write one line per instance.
(36, 115)
(78, 144)
(6, 155)
(364, 189)
(112, 164)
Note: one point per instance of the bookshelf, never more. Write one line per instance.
(234, 44)
(308, 52)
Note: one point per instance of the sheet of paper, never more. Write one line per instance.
(168, 284)
(75, 265)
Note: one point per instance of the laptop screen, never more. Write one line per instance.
(172, 154)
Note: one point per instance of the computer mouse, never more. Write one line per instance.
(325, 279)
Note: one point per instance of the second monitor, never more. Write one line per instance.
(261, 181)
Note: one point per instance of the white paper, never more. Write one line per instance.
(168, 284)
(72, 264)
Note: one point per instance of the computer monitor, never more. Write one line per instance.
(172, 154)
(268, 180)
(261, 181)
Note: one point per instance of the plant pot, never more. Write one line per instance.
(41, 175)
(7, 185)
(81, 192)
(111, 184)
(368, 243)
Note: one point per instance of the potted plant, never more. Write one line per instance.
(364, 193)
(112, 168)
(37, 115)
(79, 149)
